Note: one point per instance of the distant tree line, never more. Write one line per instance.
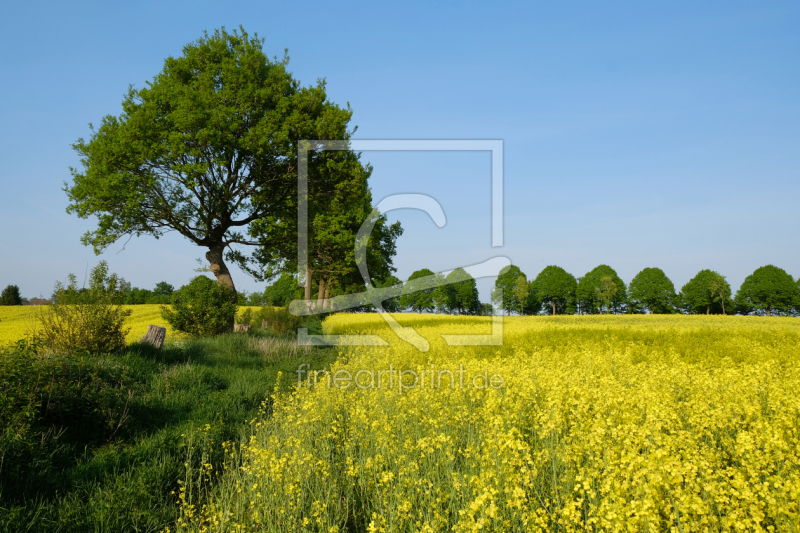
(768, 291)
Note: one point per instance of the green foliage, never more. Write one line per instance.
(11, 296)
(555, 287)
(86, 320)
(458, 295)
(203, 307)
(503, 295)
(162, 294)
(246, 317)
(48, 406)
(769, 290)
(653, 291)
(163, 289)
(390, 305)
(279, 320)
(282, 291)
(208, 148)
(98, 442)
(701, 295)
(418, 291)
(595, 291)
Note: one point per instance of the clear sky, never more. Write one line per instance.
(634, 135)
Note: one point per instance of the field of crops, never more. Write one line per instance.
(18, 321)
(615, 423)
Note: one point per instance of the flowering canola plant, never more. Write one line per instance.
(20, 320)
(606, 423)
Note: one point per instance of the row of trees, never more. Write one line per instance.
(767, 291)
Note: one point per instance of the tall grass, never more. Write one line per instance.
(100, 443)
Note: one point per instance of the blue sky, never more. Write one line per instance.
(634, 135)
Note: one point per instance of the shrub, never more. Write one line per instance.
(279, 320)
(203, 307)
(10, 296)
(48, 403)
(246, 317)
(87, 319)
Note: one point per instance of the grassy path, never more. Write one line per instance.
(105, 438)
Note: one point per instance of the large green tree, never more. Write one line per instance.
(418, 291)
(505, 296)
(651, 290)
(769, 290)
(706, 293)
(555, 287)
(601, 287)
(208, 148)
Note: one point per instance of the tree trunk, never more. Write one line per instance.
(554, 307)
(321, 293)
(155, 335)
(309, 274)
(327, 303)
(768, 311)
(219, 268)
(722, 301)
(708, 310)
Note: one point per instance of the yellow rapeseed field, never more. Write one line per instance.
(18, 321)
(615, 423)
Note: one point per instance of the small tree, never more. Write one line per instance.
(591, 286)
(88, 319)
(652, 290)
(706, 293)
(555, 286)
(163, 289)
(521, 291)
(418, 291)
(11, 296)
(503, 296)
(720, 290)
(203, 307)
(606, 291)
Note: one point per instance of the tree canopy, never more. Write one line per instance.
(555, 287)
(506, 281)
(769, 290)
(282, 291)
(601, 287)
(208, 148)
(460, 294)
(651, 290)
(11, 296)
(708, 293)
(418, 291)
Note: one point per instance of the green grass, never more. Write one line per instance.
(98, 443)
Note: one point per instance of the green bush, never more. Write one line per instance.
(279, 319)
(203, 307)
(246, 317)
(87, 319)
(51, 408)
